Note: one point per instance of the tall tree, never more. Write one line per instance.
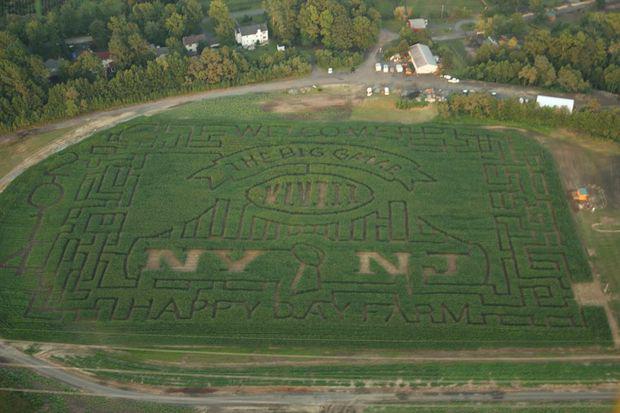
(127, 45)
(309, 21)
(87, 66)
(23, 83)
(529, 75)
(571, 80)
(192, 10)
(224, 23)
(99, 33)
(175, 24)
(282, 18)
(546, 72)
(612, 78)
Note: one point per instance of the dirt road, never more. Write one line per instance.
(88, 386)
(364, 76)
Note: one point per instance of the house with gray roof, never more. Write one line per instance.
(250, 36)
(191, 42)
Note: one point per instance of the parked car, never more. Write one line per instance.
(386, 68)
(399, 68)
(454, 80)
(377, 67)
(465, 91)
(386, 91)
(330, 71)
(447, 77)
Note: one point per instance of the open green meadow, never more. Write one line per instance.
(204, 227)
(430, 8)
(123, 366)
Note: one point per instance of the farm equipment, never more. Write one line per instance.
(581, 198)
(588, 198)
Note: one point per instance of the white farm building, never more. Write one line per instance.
(422, 59)
(553, 102)
(249, 36)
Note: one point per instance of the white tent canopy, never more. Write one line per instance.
(553, 102)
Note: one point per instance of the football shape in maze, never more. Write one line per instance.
(342, 233)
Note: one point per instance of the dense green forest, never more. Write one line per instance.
(339, 30)
(590, 119)
(569, 57)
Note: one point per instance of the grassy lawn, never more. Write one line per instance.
(382, 109)
(433, 8)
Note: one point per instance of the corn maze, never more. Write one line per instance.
(294, 233)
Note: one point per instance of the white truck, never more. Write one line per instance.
(399, 68)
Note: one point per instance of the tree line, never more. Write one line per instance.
(573, 58)
(591, 119)
(127, 29)
(343, 29)
(27, 96)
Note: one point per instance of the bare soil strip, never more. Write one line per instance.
(510, 355)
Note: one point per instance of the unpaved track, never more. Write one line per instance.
(92, 388)
(365, 75)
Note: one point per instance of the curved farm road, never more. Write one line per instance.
(364, 76)
(88, 386)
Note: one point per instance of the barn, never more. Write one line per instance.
(423, 59)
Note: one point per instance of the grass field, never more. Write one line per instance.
(34, 393)
(124, 366)
(500, 408)
(235, 5)
(195, 226)
(59, 399)
(429, 8)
